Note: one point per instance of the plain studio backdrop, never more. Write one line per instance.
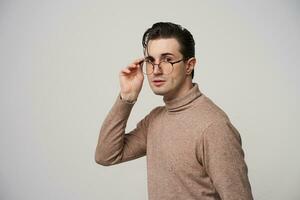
(59, 78)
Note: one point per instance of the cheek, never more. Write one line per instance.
(178, 74)
(149, 77)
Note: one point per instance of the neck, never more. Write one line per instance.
(183, 102)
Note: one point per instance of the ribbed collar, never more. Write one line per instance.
(184, 102)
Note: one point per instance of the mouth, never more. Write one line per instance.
(158, 82)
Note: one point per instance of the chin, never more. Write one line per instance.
(159, 93)
(160, 90)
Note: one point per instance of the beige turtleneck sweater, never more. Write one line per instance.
(193, 150)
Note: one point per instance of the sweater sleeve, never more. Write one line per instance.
(114, 145)
(223, 159)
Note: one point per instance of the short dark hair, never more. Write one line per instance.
(171, 30)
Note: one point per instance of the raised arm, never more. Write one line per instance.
(114, 146)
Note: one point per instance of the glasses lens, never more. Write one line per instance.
(147, 68)
(166, 67)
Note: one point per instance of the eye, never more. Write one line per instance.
(148, 60)
(168, 59)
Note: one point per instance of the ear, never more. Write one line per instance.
(190, 64)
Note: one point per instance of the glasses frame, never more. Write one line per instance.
(158, 65)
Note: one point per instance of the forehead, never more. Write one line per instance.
(161, 46)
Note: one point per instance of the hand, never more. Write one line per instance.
(131, 80)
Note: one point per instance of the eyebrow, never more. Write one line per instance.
(161, 56)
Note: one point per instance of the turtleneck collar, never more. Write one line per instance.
(184, 102)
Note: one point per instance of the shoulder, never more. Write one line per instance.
(206, 112)
(214, 121)
(157, 111)
(222, 131)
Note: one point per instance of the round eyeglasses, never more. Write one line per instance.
(165, 66)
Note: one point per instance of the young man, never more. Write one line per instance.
(193, 150)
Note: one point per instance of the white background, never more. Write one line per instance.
(59, 65)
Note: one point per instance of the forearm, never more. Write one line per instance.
(110, 145)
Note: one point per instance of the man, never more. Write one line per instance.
(193, 151)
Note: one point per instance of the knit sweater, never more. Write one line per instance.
(193, 151)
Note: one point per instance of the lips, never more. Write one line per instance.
(158, 82)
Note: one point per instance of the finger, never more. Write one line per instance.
(125, 71)
(132, 66)
(138, 61)
(129, 69)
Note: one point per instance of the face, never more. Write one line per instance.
(168, 85)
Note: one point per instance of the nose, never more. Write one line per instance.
(156, 69)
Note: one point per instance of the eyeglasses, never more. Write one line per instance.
(165, 66)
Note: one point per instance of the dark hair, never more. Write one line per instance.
(171, 30)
